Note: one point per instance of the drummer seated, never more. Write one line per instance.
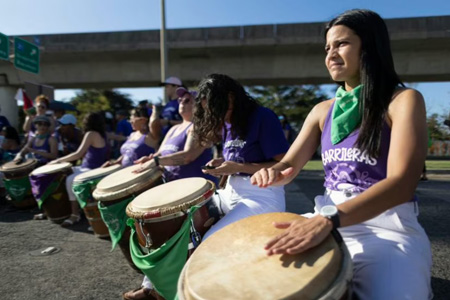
(11, 143)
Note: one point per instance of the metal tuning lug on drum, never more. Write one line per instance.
(196, 237)
(148, 240)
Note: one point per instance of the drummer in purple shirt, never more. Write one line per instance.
(94, 150)
(142, 142)
(252, 139)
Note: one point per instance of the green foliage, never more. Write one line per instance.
(436, 128)
(293, 101)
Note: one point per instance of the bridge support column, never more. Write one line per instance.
(8, 105)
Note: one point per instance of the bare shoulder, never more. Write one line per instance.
(320, 111)
(406, 100)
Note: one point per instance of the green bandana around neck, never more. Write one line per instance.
(346, 115)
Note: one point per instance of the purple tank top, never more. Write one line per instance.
(176, 143)
(344, 163)
(133, 150)
(95, 157)
(44, 147)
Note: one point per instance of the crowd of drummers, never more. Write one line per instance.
(168, 187)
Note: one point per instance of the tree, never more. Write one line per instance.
(293, 101)
(436, 128)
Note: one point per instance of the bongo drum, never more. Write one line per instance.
(49, 189)
(232, 264)
(121, 186)
(160, 212)
(17, 183)
(83, 186)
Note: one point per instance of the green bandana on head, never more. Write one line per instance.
(346, 115)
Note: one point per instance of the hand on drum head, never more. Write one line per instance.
(18, 159)
(144, 159)
(269, 176)
(299, 236)
(145, 166)
(226, 168)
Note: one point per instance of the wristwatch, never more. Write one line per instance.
(331, 212)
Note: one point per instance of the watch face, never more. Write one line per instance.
(328, 210)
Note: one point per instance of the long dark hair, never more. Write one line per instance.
(208, 121)
(11, 133)
(377, 73)
(94, 122)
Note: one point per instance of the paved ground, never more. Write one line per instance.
(86, 269)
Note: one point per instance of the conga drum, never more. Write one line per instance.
(160, 212)
(83, 186)
(114, 192)
(232, 264)
(49, 189)
(17, 183)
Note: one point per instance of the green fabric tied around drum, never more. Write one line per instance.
(18, 188)
(83, 191)
(115, 219)
(163, 265)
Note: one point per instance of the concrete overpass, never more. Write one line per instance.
(255, 55)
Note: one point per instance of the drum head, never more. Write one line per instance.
(124, 182)
(13, 166)
(232, 264)
(50, 169)
(96, 173)
(170, 194)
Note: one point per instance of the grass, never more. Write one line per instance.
(316, 165)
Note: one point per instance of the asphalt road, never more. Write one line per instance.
(85, 268)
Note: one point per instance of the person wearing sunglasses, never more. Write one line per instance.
(41, 103)
(182, 157)
(142, 141)
(42, 145)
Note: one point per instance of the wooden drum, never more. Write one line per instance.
(48, 186)
(17, 183)
(83, 186)
(232, 264)
(160, 212)
(121, 186)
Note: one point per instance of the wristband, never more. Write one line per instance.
(156, 159)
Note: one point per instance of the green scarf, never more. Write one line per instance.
(163, 265)
(83, 191)
(346, 115)
(115, 219)
(18, 188)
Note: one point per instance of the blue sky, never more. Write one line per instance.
(27, 17)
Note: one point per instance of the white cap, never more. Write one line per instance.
(68, 119)
(172, 80)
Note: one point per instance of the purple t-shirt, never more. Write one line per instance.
(95, 157)
(44, 147)
(344, 163)
(175, 143)
(133, 150)
(265, 139)
(170, 112)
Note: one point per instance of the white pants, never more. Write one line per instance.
(241, 199)
(69, 181)
(391, 253)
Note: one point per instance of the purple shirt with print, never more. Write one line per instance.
(133, 150)
(265, 139)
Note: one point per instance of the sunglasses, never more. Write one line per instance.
(184, 101)
(42, 124)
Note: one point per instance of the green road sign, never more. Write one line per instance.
(4, 47)
(26, 56)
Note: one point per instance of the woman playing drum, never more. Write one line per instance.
(141, 142)
(182, 157)
(94, 150)
(374, 139)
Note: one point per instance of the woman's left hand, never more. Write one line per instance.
(226, 168)
(53, 162)
(299, 236)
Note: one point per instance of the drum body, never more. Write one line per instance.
(89, 180)
(17, 183)
(57, 206)
(160, 212)
(236, 257)
(120, 186)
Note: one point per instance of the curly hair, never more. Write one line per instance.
(44, 99)
(212, 104)
(94, 122)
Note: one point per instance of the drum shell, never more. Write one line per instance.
(20, 173)
(162, 229)
(95, 219)
(58, 209)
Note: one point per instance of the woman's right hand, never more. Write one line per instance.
(270, 176)
(144, 159)
(108, 163)
(215, 162)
